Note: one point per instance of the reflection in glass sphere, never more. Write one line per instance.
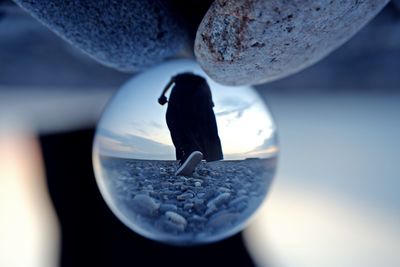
(135, 159)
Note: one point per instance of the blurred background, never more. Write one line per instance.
(334, 202)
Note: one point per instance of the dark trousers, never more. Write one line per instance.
(191, 121)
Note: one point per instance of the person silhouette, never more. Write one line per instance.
(191, 120)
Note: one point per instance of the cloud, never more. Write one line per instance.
(233, 106)
(132, 146)
(156, 125)
(268, 148)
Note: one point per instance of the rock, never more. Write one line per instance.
(201, 195)
(255, 41)
(145, 205)
(185, 196)
(176, 219)
(238, 200)
(210, 210)
(197, 219)
(219, 200)
(223, 189)
(168, 207)
(208, 194)
(188, 206)
(126, 35)
(223, 219)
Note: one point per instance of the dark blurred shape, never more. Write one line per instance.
(396, 3)
(190, 13)
(92, 236)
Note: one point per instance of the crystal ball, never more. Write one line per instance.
(187, 166)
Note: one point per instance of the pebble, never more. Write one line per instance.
(188, 206)
(168, 207)
(224, 190)
(256, 41)
(198, 219)
(209, 194)
(219, 200)
(222, 219)
(201, 195)
(145, 205)
(176, 219)
(238, 200)
(185, 196)
(126, 35)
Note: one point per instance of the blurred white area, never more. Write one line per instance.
(51, 109)
(29, 230)
(335, 201)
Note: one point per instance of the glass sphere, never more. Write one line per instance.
(162, 189)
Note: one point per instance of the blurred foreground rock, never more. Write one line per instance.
(256, 41)
(126, 35)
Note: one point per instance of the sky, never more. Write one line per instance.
(133, 124)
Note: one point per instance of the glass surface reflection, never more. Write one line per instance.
(137, 165)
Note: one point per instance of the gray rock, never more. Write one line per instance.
(210, 210)
(219, 200)
(223, 219)
(208, 194)
(256, 41)
(126, 35)
(185, 196)
(238, 201)
(197, 219)
(176, 219)
(168, 207)
(201, 195)
(145, 205)
(223, 189)
(188, 206)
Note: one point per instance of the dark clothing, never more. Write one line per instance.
(191, 119)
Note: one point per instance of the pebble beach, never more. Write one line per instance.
(215, 201)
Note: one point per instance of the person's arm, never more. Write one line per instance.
(163, 99)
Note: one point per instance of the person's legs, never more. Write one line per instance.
(180, 123)
(205, 126)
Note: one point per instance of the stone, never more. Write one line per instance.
(168, 207)
(256, 41)
(188, 206)
(237, 201)
(145, 205)
(223, 219)
(126, 35)
(219, 200)
(176, 219)
(185, 196)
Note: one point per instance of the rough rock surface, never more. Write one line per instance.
(256, 41)
(126, 35)
(210, 205)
